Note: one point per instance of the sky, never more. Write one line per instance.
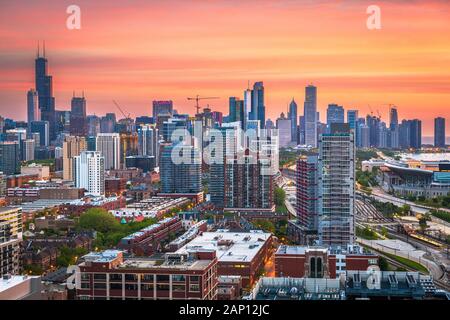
(138, 51)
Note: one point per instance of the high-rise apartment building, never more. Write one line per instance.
(10, 240)
(310, 116)
(183, 172)
(148, 137)
(89, 172)
(336, 186)
(72, 147)
(109, 146)
(439, 132)
(284, 127)
(9, 157)
(307, 208)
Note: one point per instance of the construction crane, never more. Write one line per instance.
(197, 98)
(121, 111)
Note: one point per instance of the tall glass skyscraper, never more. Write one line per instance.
(335, 114)
(258, 109)
(78, 121)
(44, 88)
(292, 115)
(310, 116)
(439, 132)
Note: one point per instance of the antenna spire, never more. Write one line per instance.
(44, 49)
(37, 56)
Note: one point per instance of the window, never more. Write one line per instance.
(115, 277)
(194, 288)
(85, 285)
(130, 277)
(99, 276)
(194, 278)
(147, 277)
(178, 277)
(162, 278)
(179, 288)
(131, 286)
(147, 287)
(162, 287)
(100, 286)
(115, 286)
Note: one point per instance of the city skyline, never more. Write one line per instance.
(350, 66)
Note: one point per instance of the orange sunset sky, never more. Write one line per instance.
(138, 51)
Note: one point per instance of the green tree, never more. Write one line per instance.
(279, 196)
(99, 220)
(383, 264)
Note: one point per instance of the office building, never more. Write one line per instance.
(33, 113)
(439, 132)
(292, 115)
(284, 127)
(310, 116)
(335, 114)
(9, 157)
(72, 147)
(108, 123)
(78, 120)
(109, 146)
(27, 152)
(44, 88)
(43, 128)
(237, 111)
(336, 186)
(393, 118)
(148, 141)
(162, 108)
(89, 171)
(258, 109)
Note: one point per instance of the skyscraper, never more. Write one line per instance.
(72, 147)
(393, 118)
(109, 146)
(336, 186)
(28, 146)
(148, 137)
(33, 113)
(162, 107)
(307, 176)
(335, 114)
(310, 116)
(292, 115)
(181, 177)
(43, 128)
(78, 121)
(237, 111)
(44, 88)
(89, 168)
(284, 130)
(258, 109)
(9, 157)
(439, 132)
(415, 135)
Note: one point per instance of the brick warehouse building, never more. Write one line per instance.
(108, 276)
(239, 253)
(320, 262)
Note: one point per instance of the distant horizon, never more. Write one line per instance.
(140, 51)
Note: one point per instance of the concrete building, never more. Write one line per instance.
(89, 172)
(20, 287)
(33, 112)
(72, 147)
(310, 116)
(284, 126)
(10, 240)
(43, 172)
(109, 146)
(9, 157)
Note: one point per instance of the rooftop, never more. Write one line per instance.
(229, 246)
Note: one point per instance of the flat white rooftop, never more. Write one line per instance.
(229, 246)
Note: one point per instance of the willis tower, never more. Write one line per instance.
(44, 88)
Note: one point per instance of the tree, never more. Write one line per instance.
(383, 264)
(279, 196)
(265, 225)
(99, 220)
